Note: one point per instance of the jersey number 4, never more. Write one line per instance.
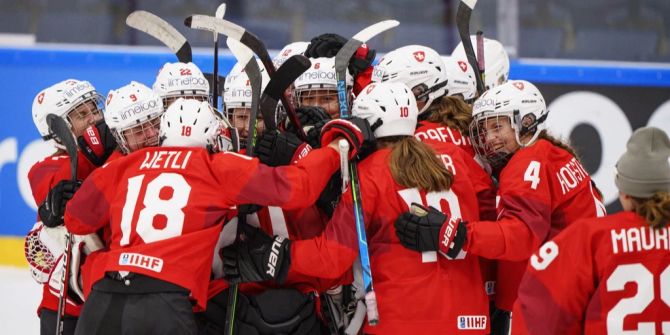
(154, 205)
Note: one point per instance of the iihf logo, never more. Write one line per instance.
(419, 56)
(463, 65)
(466, 322)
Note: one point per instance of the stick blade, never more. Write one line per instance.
(374, 30)
(241, 52)
(60, 129)
(161, 30)
(221, 11)
(215, 25)
(279, 82)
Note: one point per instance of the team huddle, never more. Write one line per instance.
(188, 220)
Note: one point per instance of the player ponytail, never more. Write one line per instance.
(452, 112)
(655, 210)
(414, 164)
(547, 137)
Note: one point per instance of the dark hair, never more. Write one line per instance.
(655, 209)
(452, 112)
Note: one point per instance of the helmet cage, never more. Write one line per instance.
(139, 130)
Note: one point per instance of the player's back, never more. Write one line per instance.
(632, 262)
(443, 290)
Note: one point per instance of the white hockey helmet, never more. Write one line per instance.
(518, 101)
(63, 98)
(133, 111)
(181, 80)
(295, 48)
(321, 75)
(190, 123)
(419, 68)
(461, 78)
(496, 61)
(389, 107)
(237, 92)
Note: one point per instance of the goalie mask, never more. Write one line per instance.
(237, 99)
(318, 86)
(389, 107)
(419, 67)
(133, 116)
(77, 102)
(462, 80)
(496, 61)
(506, 118)
(181, 80)
(191, 123)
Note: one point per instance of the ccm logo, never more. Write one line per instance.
(274, 255)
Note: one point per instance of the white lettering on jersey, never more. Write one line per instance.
(165, 159)
(442, 134)
(639, 239)
(570, 175)
(142, 261)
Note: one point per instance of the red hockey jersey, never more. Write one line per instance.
(416, 293)
(165, 206)
(43, 176)
(607, 275)
(541, 190)
(429, 132)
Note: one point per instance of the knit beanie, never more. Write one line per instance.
(644, 168)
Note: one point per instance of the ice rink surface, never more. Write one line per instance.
(20, 295)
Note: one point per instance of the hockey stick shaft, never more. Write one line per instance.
(234, 31)
(220, 12)
(60, 128)
(341, 63)
(481, 62)
(463, 15)
(279, 82)
(161, 30)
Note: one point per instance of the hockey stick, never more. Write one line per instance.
(344, 55)
(481, 62)
(234, 31)
(220, 12)
(162, 31)
(279, 82)
(341, 63)
(244, 55)
(463, 14)
(62, 131)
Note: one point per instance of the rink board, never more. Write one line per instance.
(620, 96)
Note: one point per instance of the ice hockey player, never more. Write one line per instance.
(402, 171)
(159, 258)
(608, 275)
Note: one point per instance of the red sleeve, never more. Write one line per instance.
(525, 216)
(483, 186)
(88, 210)
(288, 187)
(333, 252)
(362, 79)
(556, 290)
(45, 174)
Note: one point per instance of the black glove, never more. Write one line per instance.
(256, 257)
(330, 196)
(355, 130)
(51, 211)
(308, 116)
(428, 229)
(248, 209)
(279, 148)
(325, 45)
(97, 143)
(328, 45)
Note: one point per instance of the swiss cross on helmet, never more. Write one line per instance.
(496, 61)
(461, 78)
(419, 67)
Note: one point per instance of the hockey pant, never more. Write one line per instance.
(275, 311)
(136, 304)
